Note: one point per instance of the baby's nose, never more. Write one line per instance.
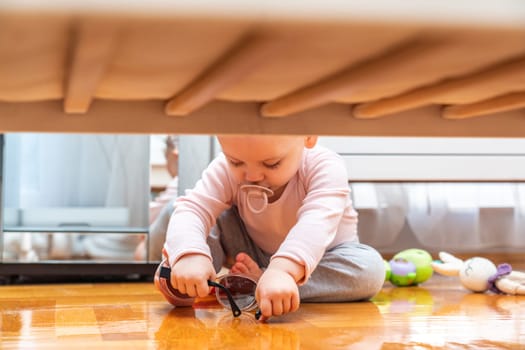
(253, 176)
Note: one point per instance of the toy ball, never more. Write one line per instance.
(410, 267)
(475, 273)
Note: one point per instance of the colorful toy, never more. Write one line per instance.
(409, 267)
(479, 274)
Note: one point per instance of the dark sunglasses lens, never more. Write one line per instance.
(242, 290)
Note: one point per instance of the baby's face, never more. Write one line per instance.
(269, 161)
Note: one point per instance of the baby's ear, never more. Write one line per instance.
(310, 141)
(449, 265)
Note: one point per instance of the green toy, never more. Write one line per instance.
(409, 267)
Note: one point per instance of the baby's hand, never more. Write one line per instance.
(191, 273)
(277, 293)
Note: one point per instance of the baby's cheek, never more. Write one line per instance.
(237, 174)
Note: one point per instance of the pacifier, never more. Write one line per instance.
(256, 197)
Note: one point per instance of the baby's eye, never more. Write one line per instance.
(273, 165)
(235, 163)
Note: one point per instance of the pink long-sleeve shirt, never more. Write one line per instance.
(313, 214)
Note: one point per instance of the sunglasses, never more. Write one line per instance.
(232, 291)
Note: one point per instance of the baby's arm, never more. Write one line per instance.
(277, 292)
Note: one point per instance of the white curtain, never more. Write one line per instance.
(468, 216)
(382, 212)
(442, 216)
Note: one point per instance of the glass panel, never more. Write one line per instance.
(67, 185)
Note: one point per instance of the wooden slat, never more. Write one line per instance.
(94, 44)
(459, 54)
(495, 75)
(497, 104)
(156, 59)
(228, 70)
(312, 53)
(341, 83)
(220, 117)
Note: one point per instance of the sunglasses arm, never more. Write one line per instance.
(235, 309)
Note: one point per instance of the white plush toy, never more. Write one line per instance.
(479, 274)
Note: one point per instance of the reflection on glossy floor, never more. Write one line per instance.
(436, 315)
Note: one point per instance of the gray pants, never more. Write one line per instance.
(348, 272)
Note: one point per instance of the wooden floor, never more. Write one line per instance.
(437, 315)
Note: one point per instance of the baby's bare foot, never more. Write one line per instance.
(244, 264)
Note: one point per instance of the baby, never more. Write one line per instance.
(276, 208)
